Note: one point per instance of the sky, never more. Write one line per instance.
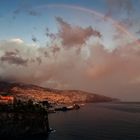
(91, 45)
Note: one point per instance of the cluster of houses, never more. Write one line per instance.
(6, 99)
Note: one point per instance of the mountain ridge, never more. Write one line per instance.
(28, 91)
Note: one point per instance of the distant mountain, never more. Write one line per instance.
(36, 93)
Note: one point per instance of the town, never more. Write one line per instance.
(10, 102)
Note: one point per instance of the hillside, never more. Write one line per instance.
(36, 93)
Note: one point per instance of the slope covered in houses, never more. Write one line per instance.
(25, 92)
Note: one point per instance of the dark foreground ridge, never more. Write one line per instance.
(23, 120)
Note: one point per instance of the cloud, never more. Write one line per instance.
(75, 35)
(114, 73)
(138, 32)
(34, 39)
(25, 7)
(39, 60)
(55, 49)
(16, 40)
(12, 56)
(12, 59)
(11, 53)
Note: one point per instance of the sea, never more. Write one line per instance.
(97, 121)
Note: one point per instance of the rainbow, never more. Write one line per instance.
(100, 15)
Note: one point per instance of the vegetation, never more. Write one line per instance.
(23, 119)
(21, 106)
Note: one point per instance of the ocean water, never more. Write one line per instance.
(101, 121)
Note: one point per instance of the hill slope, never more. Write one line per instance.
(36, 93)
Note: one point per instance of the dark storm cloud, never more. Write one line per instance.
(46, 54)
(11, 53)
(34, 39)
(13, 59)
(52, 36)
(27, 8)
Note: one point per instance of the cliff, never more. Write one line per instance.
(22, 121)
